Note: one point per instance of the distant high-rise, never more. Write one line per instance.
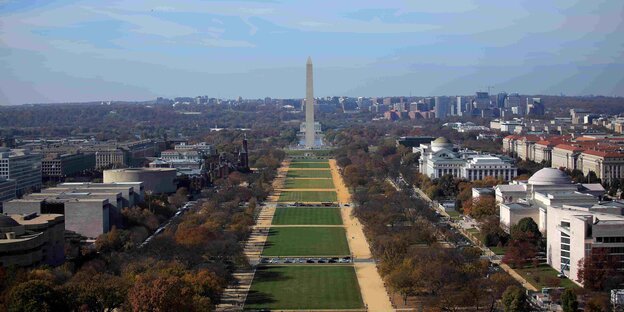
(500, 99)
(309, 106)
(482, 100)
(460, 109)
(440, 109)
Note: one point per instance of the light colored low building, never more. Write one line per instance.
(575, 230)
(440, 158)
(546, 188)
(480, 167)
(565, 156)
(571, 216)
(608, 166)
(155, 180)
(32, 239)
(511, 213)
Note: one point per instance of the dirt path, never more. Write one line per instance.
(293, 178)
(372, 287)
(341, 189)
(371, 284)
(308, 169)
(307, 190)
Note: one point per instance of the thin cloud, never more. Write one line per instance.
(225, 43)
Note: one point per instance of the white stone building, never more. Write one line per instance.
(441, 158)
(571, 216)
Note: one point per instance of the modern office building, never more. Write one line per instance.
(22, 166)
(8, 190)
(441, 108)
(440, 158)
(64, 165)
(535, 107)
(90, 209)
(482, 100)
(31, 239)
(500, 99)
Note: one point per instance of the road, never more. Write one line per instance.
(181, 211)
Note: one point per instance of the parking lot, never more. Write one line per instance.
(305, 260)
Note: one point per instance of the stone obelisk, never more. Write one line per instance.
(309, 107)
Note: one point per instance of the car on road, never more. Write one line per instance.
(274, 260)
(310, 260)
(288, 260)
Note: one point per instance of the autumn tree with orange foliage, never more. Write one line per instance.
(160, 294)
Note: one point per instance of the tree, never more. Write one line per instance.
(569, 302)
(515, 300)
(160, 294)
(493, 234)
(525, 225)
(36, 295)
(518, 253)
(483, 206)
(98, 291)
(401, 281)
(179, 198)
(598, 270)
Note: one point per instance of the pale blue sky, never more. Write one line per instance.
(53, 51)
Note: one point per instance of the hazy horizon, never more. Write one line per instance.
(78, 51)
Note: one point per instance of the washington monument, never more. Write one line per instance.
(309, 107)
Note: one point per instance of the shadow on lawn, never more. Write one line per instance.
(256, 297)
(263, 275)
(269, 274)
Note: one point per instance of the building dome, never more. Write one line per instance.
(6, 221)
(549, 176)
(441, 140)
(440, 144)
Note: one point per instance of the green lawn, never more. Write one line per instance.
(303, 152)
(322, 165)
(309, 174)
(314, 183)
(309, 160)
(296, 216)
(311, 196)
(306, 242)
(304, 287)
(545, 276)
(498, 250)
(454, 215)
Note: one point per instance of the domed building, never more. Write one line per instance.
(440, 144)
(550, 176)
(571, 216)
(441, 157)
